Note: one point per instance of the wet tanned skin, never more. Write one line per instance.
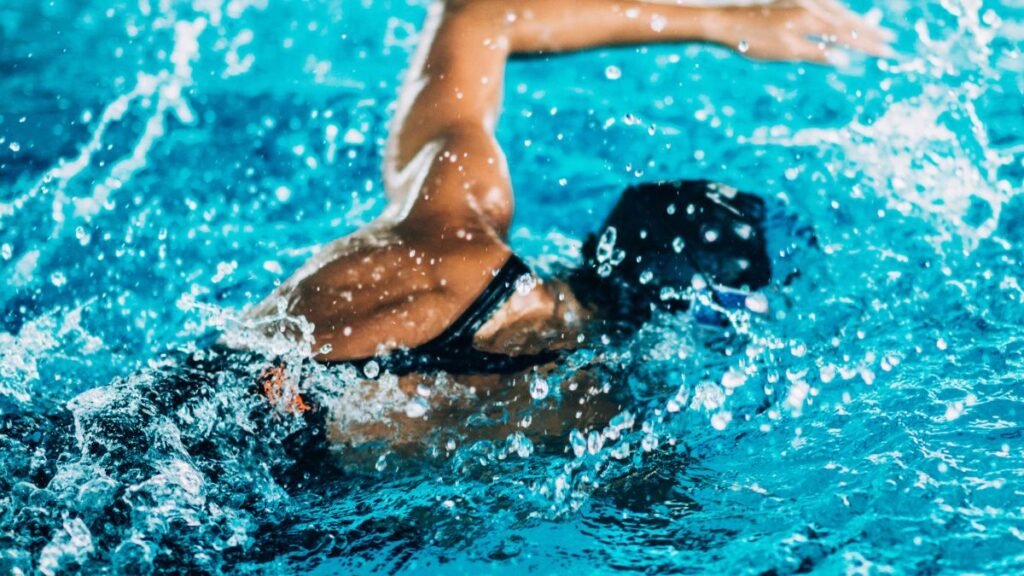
(405, 278)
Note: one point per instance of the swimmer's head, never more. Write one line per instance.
(662, 239)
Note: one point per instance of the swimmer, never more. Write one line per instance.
(431, 291)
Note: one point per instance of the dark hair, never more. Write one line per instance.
(659, 236)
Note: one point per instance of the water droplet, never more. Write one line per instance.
(82, 235)
(526, 283)
(734, 379)
(612, 73)
(606, 244)
(578, 442)
(15, 146)
(520, 444)
(720, 420)
(744, 47)
(539, 388)
(757, 303)
(415, 408)
(649, 442)
(353, 136)
(371, 369)
(678, 244)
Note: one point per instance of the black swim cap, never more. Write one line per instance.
(660, 236)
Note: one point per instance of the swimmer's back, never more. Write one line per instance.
(391, 285)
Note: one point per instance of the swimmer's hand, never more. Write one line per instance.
(790, 30)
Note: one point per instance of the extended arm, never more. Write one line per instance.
(443, 164)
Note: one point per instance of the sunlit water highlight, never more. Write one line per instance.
(164, 163)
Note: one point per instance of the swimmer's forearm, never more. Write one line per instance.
(532, 26)
(776, 30)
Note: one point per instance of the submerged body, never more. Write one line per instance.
(401, 282)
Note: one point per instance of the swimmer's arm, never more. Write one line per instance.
(775, 31)
(443, 166)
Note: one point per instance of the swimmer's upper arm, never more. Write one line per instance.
(466, 184)
(443, 162)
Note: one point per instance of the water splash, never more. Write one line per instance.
(20, 354)
(880, 393)
(929, 154)
(168, 86)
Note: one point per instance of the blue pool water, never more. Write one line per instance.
(163, 163)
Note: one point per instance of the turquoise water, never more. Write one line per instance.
(165, 163)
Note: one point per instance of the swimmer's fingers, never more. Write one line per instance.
(825, 29)
(809, 51)
(866, 23)
(844, 27)
(795, 31)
